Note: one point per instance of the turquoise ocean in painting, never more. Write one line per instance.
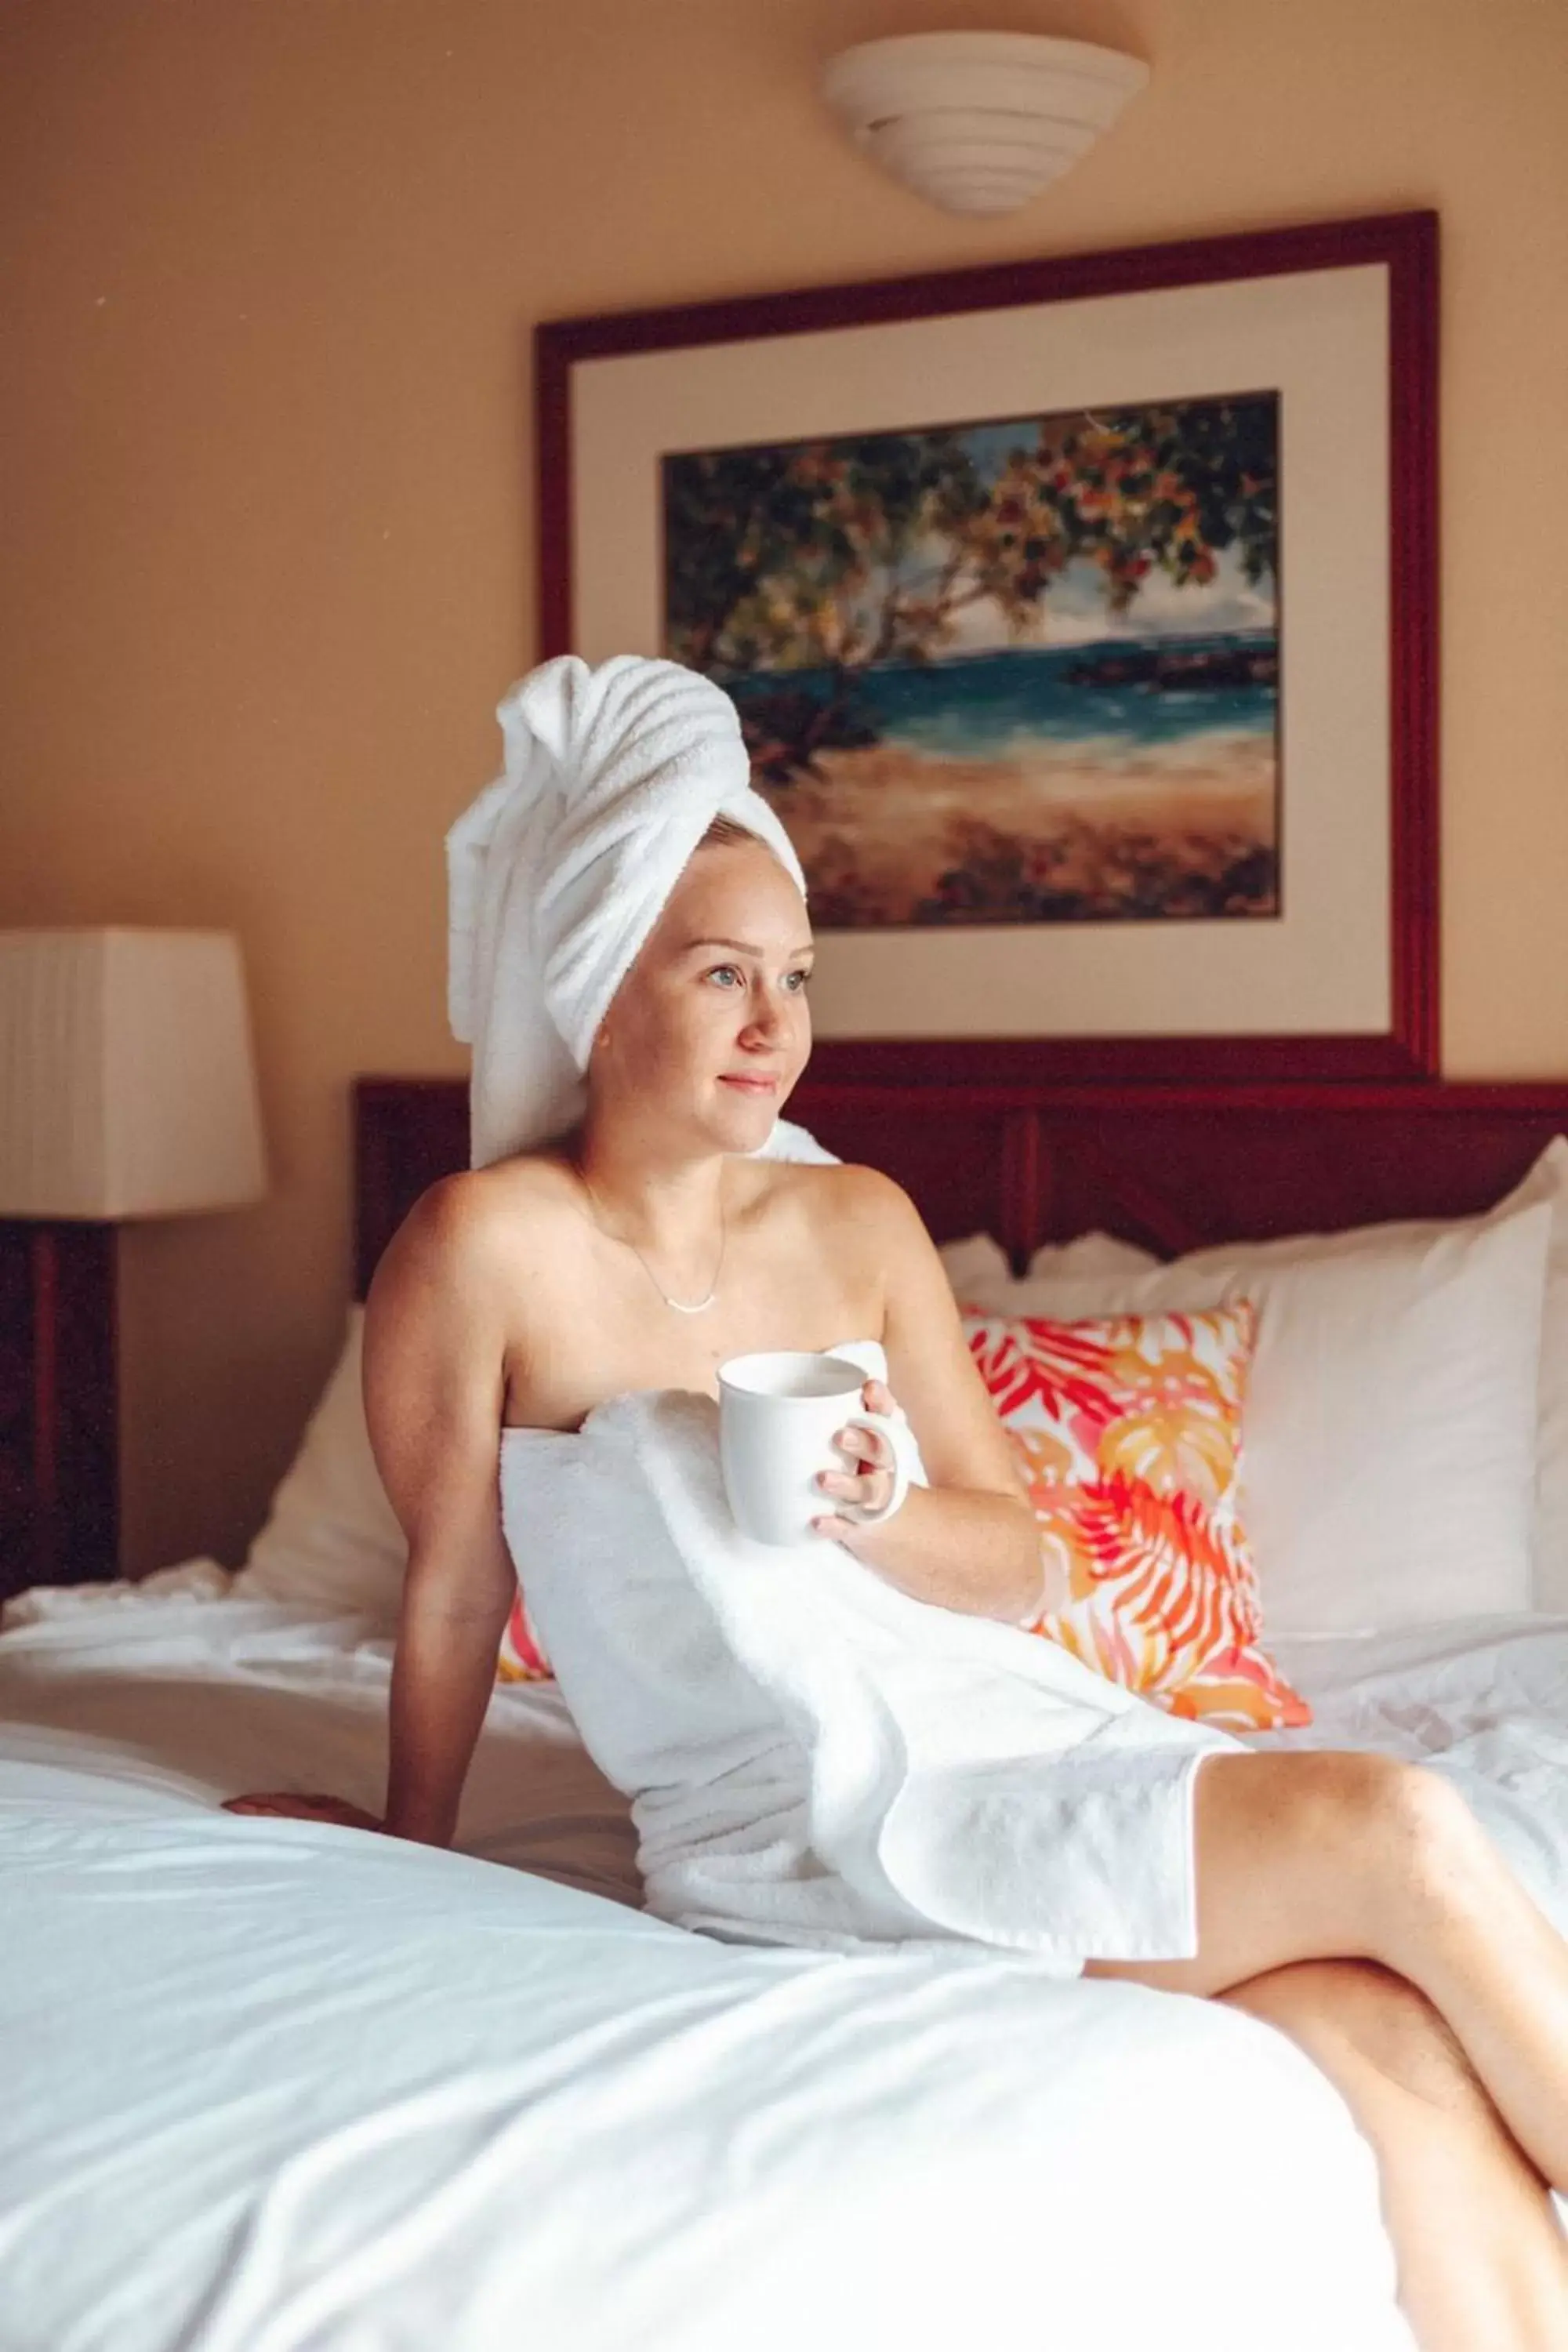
(1109, 695)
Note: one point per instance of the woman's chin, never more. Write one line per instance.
(745, 1114)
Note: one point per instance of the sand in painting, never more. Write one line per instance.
(1039, 832)
(1014, 670)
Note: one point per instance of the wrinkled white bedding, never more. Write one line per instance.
(282, 2087)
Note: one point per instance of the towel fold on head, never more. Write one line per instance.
(561, 867)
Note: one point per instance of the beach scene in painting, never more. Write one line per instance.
(1024, 671)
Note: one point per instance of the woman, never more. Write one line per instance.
(1351, 1901)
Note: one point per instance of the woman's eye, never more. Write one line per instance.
(723, 972)
(799, 982)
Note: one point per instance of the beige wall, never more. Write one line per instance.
(270, 269)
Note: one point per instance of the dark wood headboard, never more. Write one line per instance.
(1171, 1167)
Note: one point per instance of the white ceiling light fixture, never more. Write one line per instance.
(979, 122)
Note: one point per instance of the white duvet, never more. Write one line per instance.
(281, 2087)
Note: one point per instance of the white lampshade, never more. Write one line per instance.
(127, 1081)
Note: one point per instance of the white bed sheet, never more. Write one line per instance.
(282, 2087)
(197, 1699)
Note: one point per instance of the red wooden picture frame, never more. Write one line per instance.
(1406, 244)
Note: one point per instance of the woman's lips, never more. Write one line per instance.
(750, 1086)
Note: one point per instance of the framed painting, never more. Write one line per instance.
(1080, 615)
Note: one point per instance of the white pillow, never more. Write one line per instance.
(331, 1538)
(976, 1263)
(1091, 1255)
(1389, 1427)
(1546, 1181)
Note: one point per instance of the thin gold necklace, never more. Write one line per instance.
(679, 1305)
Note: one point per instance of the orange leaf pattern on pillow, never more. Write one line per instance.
(1128, 1435)
(522, 1658)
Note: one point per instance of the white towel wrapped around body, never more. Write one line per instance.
(561, 867)
(815, 1758)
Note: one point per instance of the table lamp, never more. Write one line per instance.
(127, 1089)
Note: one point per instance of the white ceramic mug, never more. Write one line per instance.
(778, 1414)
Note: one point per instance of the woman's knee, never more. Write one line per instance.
(1321, 1854)
(1433, 1848)
(1409, 1825)
(1309, 1855)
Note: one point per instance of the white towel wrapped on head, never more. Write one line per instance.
(561, 867)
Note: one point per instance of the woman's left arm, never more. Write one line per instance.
(968, 1542)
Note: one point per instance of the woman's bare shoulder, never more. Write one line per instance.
(479, 1218)
(837, 1182)
(841, 1196)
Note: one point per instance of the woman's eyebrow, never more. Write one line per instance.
(745, 947)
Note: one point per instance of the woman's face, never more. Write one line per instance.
(709, 1028)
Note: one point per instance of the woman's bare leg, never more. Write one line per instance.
(1330, 1854)
(1482, 2258)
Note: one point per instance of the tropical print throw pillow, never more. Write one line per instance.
(1128, 1433)
(522, 1658)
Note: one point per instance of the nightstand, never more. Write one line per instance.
(59, 1466)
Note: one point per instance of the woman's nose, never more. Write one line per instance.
(765, 1015)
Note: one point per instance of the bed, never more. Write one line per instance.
(281, 2086)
